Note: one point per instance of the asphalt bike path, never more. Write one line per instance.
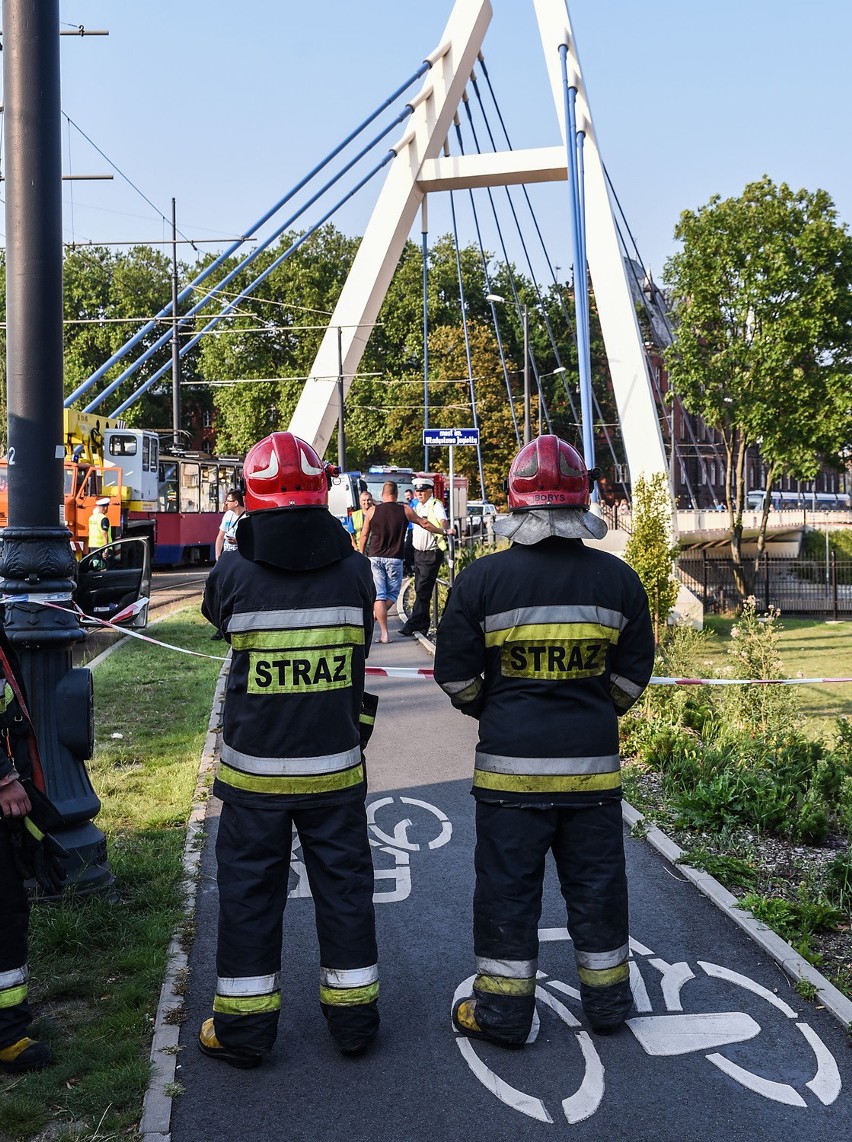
(720, 1047)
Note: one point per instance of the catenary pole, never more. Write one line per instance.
(175, 337)
(37, 565)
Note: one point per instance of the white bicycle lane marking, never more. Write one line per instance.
(661, 1036)
(395, 842)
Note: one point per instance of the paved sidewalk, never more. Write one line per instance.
(721, 1047)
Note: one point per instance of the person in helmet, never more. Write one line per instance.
(546, 643)
(295, 601)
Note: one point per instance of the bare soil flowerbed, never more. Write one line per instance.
(762, 869)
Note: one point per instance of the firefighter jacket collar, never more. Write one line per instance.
(293, 539)
(533, 526)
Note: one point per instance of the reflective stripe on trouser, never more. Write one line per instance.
(588, 848)
(253, 855)
(15, 1016)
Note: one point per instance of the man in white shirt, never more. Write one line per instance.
(429, 549)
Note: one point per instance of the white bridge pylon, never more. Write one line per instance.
(420, 168)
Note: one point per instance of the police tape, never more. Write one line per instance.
(93, 620)
(655, 680)
(423, 671)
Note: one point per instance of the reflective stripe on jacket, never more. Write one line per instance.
(291, 728)
(546, 645)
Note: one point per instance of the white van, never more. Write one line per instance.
(343, 494)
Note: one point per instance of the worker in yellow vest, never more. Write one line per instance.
(99, 524)
(356, 520)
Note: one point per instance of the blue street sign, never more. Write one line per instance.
(433, 436)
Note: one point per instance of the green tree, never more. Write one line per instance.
(650, 550)
(274, 333)
(762, 297)
(107, 296)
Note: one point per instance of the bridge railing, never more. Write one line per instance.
(713, 520)
(794, 586)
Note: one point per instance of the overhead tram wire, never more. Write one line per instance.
(121, 353)
(121, 174)
(560, 298)
(247, 261)
(231, 305)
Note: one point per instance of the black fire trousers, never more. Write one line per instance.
(427, 564)
(253, 852)
(588, 848)
(15, 1017)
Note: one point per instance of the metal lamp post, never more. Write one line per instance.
(36, 563)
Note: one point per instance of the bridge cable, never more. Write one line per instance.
(539, 386)
(662, 312)
(208, 270)
(467, 346)
(260, 278)
(559, 295)
(489, 290)
(247, 261)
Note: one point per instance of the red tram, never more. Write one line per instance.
(191, 491)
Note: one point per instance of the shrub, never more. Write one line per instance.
(650, 550)
(755, 653)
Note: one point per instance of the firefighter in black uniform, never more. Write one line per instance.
(27, 854)
(296, 604)
(546, 643)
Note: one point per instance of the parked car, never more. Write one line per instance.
(480, 516)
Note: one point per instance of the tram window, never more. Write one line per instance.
(122, 445)
(209, 488)
(151, 458)
(229, 477)
(167, 488)
(146, 454)
(189, 490)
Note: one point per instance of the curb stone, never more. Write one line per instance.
(155, 1124)
(793, 965)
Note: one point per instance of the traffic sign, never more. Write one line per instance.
(433, 436)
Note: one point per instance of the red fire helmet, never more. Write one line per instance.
(548, 473)
(283, 471)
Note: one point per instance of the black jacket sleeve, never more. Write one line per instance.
(460, 652)
(633, 655)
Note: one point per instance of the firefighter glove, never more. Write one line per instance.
(367, 719)
(38, 856)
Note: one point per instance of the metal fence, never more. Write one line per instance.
(794, 586)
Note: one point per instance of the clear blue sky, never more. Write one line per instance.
(225, 105)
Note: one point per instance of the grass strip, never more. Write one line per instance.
(97, 965)
(810, 648)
